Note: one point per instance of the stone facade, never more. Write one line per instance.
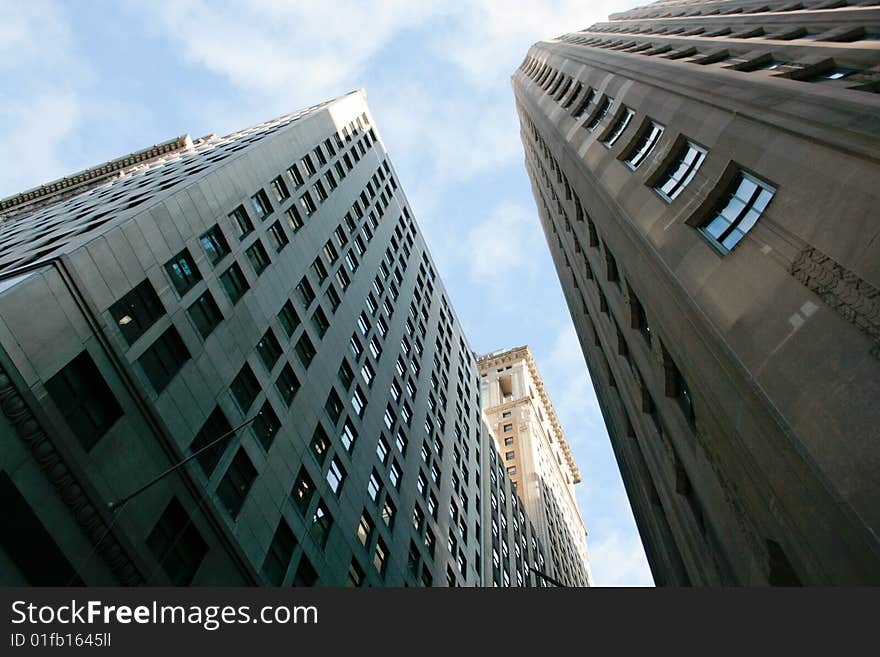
(705, 173)
(537, 458)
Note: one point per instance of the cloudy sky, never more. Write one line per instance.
(84, 82)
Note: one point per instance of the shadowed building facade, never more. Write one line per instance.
(706, 176)
(537, 458)
(266, 303)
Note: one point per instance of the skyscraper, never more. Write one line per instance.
(537, 458)
(706, 177)
(257, 317)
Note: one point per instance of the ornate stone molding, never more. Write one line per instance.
(850, 296)
(93, 524)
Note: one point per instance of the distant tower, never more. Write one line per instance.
(537, 457)
(706, 174)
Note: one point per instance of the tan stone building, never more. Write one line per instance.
(537, 458)
(706, 174)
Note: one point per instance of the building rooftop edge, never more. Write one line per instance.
(526, 353)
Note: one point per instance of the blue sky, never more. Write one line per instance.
(84, 82)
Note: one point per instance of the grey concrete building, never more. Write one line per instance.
(264, 305)
(706, 177)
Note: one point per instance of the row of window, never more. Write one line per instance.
(723, 8)
(740, 205)
(745, 61)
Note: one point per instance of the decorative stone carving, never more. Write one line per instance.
(851, 297)
(92, 523)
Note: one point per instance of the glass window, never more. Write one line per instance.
(245, 388)
(266, 425)
(645, 143)
(215, 245)
(241, 222)
(277, 559)
(600, 113)
(205, 314)
(236, 483)
(277, 236)
(234, 283)
(619, 127)
(269, 349)
(176, 544)
(279, 189)
(288, 318)
(182, 271)
(258, 257)
(137, 311)
(303, 490)
(165, 357)
(214, 428)
(260, 202)
(287, 384)
(681, 171)
(737, 212)
(84, 399)
(335, 476)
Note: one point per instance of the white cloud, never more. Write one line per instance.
(500, 244)
(618, 560)
(34, 133)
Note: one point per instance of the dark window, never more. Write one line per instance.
(305, 292)
(322, 521)
(308, 205)
(333, 406)
(183, 272)
(319, 270)
(277, 236)
(137, 311)
(261, 204)
(296, 176)
(346, 376)
(320, 155)
(288, 318)
(240, 221)
(28, 544)
(234, 283)
(245, 388)
(303, 490)
(582, 106)
(164, 359)
(177, 544)
(269, 349)
(294, 219)
(619, 127)
(305, 573)
(215, 245)
(266, 425)
(308, 165)
(279, 554)
(319, 444)
(205, 314)
(258, 257)
(320, 322)
(737, 212)
(237, 482)
(305, 350)
(681, 171)
(287, 384)
(84, 399)
(279, 189)
(600, 113)
(333, 297)
(215, 426)
(645, 143)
